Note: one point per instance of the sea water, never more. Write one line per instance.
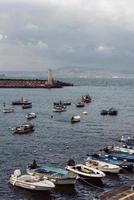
(55, 140)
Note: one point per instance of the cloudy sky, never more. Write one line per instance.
(37, 35)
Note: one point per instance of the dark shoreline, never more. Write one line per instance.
(31, 83)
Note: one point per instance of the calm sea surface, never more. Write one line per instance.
(55, 140)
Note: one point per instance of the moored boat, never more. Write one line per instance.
(102, 166)
(30, 182)
(75, 118)
(8, 110)
(31, 115)
(24, 128)
(86, 99)
(80, 104)
(126, 166)
(84, 171)
(27, 105)
(113, 111)
(58, 175)
(20, 101)
(59, 108)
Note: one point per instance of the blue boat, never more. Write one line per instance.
(57, 175)
(127, 166)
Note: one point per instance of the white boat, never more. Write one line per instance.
(30, 182)
(75, 118)
(84, 112)
(58, 175)
(123, 150)
(59, 108)
(31, 115)
(8, 110)
(85, 171)
(103, 166)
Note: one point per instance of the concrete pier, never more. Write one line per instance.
(125, 192)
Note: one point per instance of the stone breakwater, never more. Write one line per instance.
(31, 83)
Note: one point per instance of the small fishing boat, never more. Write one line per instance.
(102, 166)
(62, 103)
(80, 104)
(58, 175)
(121, 156)
(75, 118)
(112, 111)
(24, 128)
(126, 166)
(104, 112)
(20, 101)
(59, 108)
(117, 149)
(30, 182)
(84, 171)
(31, 115)
(86, 99)
(8, 110)
(27, 105)
(84, 113)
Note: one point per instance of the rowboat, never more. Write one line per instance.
(58, 175)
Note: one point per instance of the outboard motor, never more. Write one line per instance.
(71, 162)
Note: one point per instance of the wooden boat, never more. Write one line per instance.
(8, 110)
(102, 166)
(59, 176)
(84, 171)
(24, 128)
(31, 115)
(75, 118)
(30, 182)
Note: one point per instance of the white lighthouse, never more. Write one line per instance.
(50, 77)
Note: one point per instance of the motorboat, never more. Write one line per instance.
(27, 105)
(24, 128)
(75, 118)
(117, 149)
(84, 171)
(30, 182)
(121, 156)
(8, 110)
(80, 104)
(20, 101)
(126, 166)
(102, 166)
(31, 115)
(59, 108)
(57, 175)
(84, 113)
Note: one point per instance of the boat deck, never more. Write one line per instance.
(121, 193)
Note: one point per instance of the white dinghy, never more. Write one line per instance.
(75, 118)
(103, 166)
(85, 171)
(30, 182)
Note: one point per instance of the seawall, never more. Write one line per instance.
(31, 83)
